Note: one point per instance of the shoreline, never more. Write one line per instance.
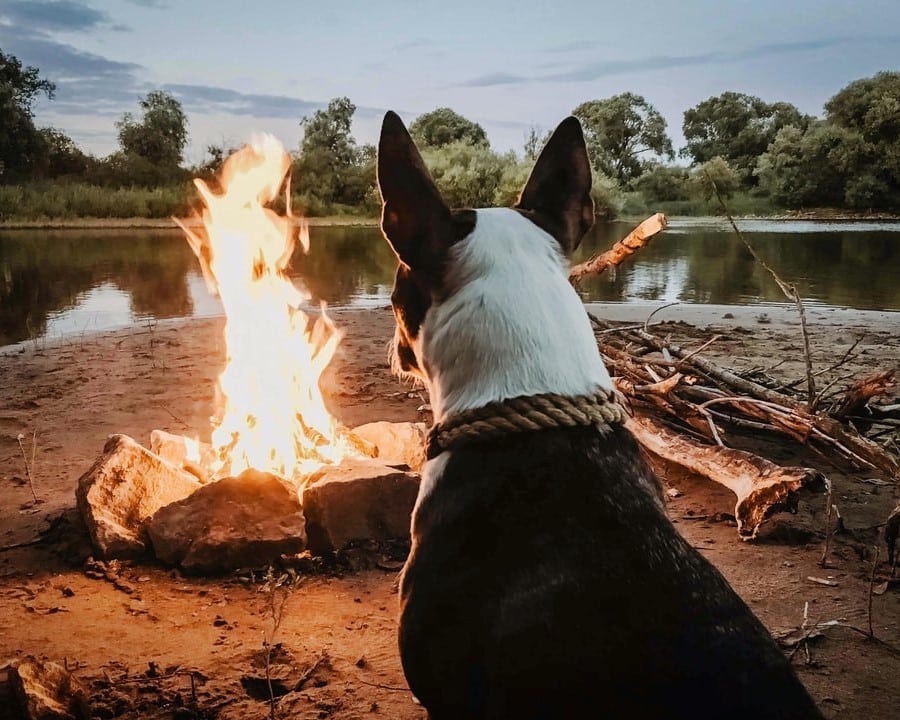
(710, 317)
(139, 223)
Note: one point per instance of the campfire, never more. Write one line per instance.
(264, 484)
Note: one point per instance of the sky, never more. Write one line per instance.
(240, 67)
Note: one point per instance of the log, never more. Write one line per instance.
(761, 486)
(623, 249)
(856, 400)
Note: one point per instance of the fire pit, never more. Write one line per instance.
(279, 473)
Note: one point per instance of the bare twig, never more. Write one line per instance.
(789, 290)
(28, 474)
(828, 510)
(872, 591)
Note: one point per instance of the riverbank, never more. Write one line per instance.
(139, 223)
(68, 395)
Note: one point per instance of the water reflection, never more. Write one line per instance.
(59, 282)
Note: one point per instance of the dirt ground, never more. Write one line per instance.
(148, 642)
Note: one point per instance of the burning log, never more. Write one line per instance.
(395, 443)
(630, 244)
(761, 486)
(121, 491)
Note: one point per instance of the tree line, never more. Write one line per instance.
(760, 154)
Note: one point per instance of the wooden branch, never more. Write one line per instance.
(761, 486)
(856, 399)
(623, 249)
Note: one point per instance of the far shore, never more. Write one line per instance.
(138, 223)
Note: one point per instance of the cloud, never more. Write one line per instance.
(35, 16)
(155, 4)
(605, 68)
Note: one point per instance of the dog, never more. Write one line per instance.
(544, 579)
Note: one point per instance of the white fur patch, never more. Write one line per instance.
(431, 473)
(510, 323)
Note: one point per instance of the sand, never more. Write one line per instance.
(134, 636)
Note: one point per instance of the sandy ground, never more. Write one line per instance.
(148, 642)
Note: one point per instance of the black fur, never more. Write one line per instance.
(545, 581)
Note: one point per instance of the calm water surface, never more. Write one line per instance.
(54, 283)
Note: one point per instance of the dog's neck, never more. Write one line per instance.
(510, 324)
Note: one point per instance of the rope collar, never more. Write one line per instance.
(600, 410)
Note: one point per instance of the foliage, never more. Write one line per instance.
(618, 130)
(663, 182)
(444, 126)
(467, 175)
(715, 178)
(870, 106)
(61, 201)
(160, 135)
(738, 128)
(21, 147)
(331, 168)
(62, 157)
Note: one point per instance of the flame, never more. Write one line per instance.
(270, 411)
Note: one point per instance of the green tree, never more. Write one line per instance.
(62, 157)
(160, 135)
(715, 176)
(21, 146)
(738, 128)
(467, 175)
(331, 167)
(663, 183)
(444, 126)
(618, 130)
(870, 106)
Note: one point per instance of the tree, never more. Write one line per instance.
(62, 157)
(870, 106)
(618, 130)
(715, 178)
(444, 126)
(738, 128)
(160, 135)
(662, 183)
(21, 147)
(331, 167)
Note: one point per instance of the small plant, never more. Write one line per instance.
(277, 589)
(29, 468)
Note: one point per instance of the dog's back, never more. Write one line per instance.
(546, 582)
(544, 579)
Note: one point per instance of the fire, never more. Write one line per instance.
(270, 412)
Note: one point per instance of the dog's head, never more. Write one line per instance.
(468, 280)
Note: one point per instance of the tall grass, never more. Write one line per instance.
(62, 201)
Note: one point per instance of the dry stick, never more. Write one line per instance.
(628, 245)
(871, 590)
(823, 561)
(27, 469)
(790, 292)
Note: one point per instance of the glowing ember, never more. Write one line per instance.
(270, 414)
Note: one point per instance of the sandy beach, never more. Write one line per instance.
(135, 635)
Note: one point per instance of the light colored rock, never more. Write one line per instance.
(237, 522)
(357, 500)
(400, 443)
(47, 691)
(124, 487)
(177, 450)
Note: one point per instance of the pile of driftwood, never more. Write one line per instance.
(685, 406)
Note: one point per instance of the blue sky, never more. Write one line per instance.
(239, 66)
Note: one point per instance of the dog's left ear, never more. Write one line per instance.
(415, 219)
(557, 196)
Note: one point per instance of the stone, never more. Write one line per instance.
(47, 691)
(247, 521)
(124, 487)
(401, 443)
(194, 456)
(357, 500)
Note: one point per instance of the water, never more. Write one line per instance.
(55, 283)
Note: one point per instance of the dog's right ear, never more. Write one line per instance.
(414, 218)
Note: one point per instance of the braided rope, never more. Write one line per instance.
(525, 414)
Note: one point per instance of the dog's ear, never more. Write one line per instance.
(414, 218)
(557, 196)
